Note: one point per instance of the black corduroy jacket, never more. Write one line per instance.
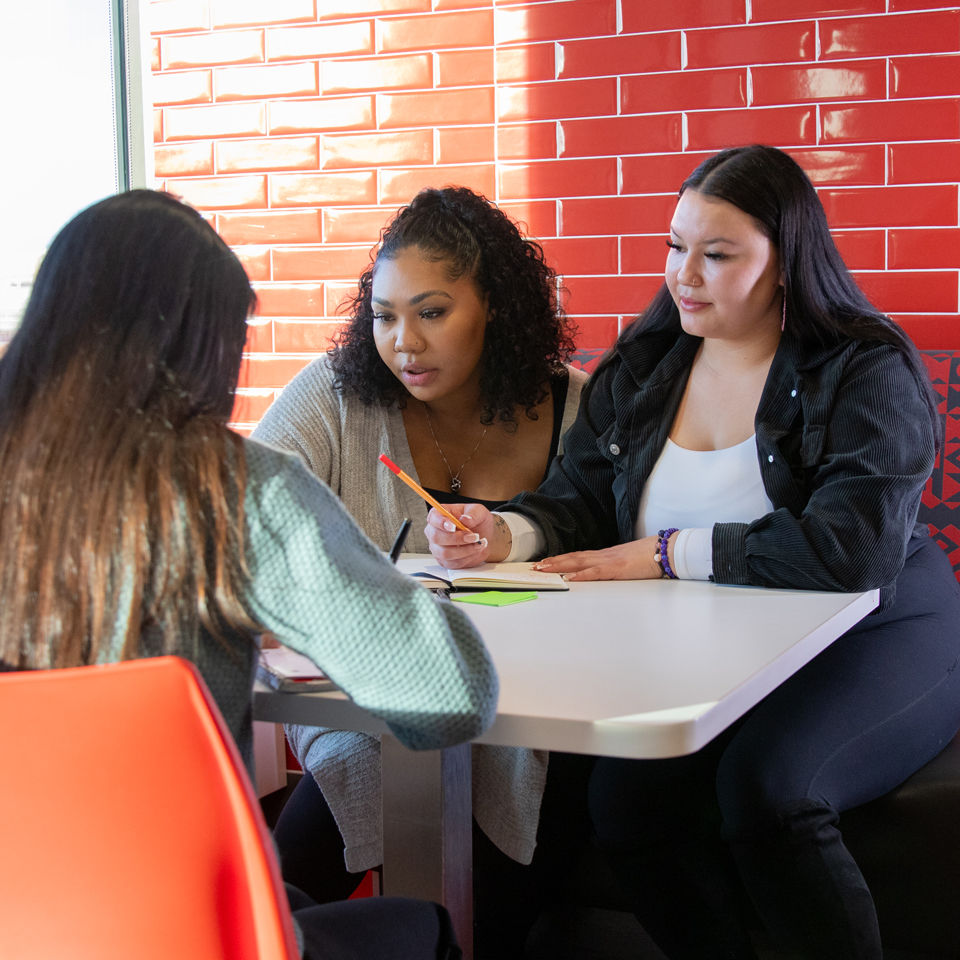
(844, 441)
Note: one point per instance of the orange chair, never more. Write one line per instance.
(128, 825)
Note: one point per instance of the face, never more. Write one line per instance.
(722, 271)
(429, 330)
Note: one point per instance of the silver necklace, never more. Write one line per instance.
(454, 479)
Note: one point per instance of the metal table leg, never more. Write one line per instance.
(427, 829)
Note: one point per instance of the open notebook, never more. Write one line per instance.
(490, 576)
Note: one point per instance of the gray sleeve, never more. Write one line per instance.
(305, 420)
(322, 588)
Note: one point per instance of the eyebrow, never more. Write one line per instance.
(711, 240)
(419, 298)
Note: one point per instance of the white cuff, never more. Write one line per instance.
(693, 554)
(528, 538)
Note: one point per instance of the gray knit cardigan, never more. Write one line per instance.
(340, 440)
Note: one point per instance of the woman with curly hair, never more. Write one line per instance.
(452, 364)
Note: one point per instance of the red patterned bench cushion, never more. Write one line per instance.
(940, 506)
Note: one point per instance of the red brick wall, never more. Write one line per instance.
(299, 126)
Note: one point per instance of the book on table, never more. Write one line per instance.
(490, 576)
(288, 671)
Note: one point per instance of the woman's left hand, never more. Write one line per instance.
(626, 561)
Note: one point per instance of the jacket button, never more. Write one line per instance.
(770, 458)
(793, 393)
(614, 449)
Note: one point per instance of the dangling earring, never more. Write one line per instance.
(783, 323)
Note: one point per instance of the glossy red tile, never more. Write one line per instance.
(596, 333)
(605, 216)
(683, 90)
(849, 165)
(377, 149)
(343, 9)
(319, 263)
(865, 79)
(460, 4)
(338, 298)
(641, 16)
(558, 100)
(899, 5)
(242, 13)
(383, 73)
(798, 9)
(647, 254)
(221, 193)
(750, 44)
(293, 226)
(259, 371)
(217, 120)
(892, 120)
(924, 249)
(192, 86)
(525, 64)
(861, 249)
(304, 336)
(658, 174)
(582, 255)
(556, 21)
(466, 144)
(281, 153)
(401, 186)
(154, 54)
(637, 53)
(925, 76)
(291, 190)
(559, 178)
(250, 407)
(934, 292)
(200, 50)
(326, 40)
(527, 141)
(924, 162)
(784, 126)
(256, 261)
(280, 80)
(459, 68)
(931, 332)
(328, 113)
(619, 136)
(355, 226)
(183, 159)
(290, 300)
(535, 218)
(890, 34)
(620, 295)
(472, 28)
(177, 16)
(442, 107)
(259, 336)
(157, 126)
(933, 206)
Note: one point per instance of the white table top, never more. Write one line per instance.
(632, 669)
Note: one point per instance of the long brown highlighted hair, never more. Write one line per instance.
(121, 487)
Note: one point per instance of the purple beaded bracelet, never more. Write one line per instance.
(661, 555)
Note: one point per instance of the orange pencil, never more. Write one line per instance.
(413, 485)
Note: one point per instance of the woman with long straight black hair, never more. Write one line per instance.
(134, 522)
(759, 423)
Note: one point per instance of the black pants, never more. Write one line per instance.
(381, 928)
(758, 807)
(507, 895)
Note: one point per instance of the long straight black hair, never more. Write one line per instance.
(823, 302)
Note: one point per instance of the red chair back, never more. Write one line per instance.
(128, 825)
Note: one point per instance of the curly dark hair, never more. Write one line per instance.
(528, 338)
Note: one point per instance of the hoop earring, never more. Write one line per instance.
(783, 323)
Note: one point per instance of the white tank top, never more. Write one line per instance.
(693, 490)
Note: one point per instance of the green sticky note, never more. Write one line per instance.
(496, 598)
